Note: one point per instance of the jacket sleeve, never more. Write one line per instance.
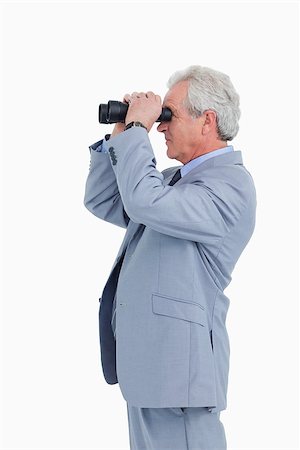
(198, 211)
(102, 197)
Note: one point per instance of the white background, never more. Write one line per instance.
(60, 61)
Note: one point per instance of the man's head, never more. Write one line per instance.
(205, 112)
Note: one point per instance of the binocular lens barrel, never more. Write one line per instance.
(115, 111)
(103, 113)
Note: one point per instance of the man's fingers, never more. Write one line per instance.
(149, 94)
(126, 98)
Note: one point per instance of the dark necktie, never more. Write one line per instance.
(175, 178)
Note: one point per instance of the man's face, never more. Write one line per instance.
(182, 132)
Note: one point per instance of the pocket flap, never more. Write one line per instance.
(180, 309)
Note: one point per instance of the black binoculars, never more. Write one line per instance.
(115, 111)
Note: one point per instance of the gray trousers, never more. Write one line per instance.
(173, 428)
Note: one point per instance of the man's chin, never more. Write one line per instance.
(169, 152)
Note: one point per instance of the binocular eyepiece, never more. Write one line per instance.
(115, 111)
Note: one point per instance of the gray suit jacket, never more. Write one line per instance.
(180, 248)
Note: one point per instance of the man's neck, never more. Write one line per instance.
(216, 145)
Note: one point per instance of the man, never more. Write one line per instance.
(162, 311)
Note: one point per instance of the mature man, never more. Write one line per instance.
(162, 311)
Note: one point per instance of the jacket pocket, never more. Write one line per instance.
(179, 309)
(211, 340)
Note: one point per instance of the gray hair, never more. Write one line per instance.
(210, 89)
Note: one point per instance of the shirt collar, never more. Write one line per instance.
(200, 159)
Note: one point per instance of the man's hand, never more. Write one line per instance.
(119, 126)
(143, 107)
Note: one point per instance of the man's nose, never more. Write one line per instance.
(162, 127)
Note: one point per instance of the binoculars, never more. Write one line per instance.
(115, 111)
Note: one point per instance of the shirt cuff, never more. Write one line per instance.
(104, 145)
(100, 145)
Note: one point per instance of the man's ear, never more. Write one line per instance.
(210, 120)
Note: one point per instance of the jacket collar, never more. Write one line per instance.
(231, 158)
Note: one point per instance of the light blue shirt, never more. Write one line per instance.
(100, 146)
